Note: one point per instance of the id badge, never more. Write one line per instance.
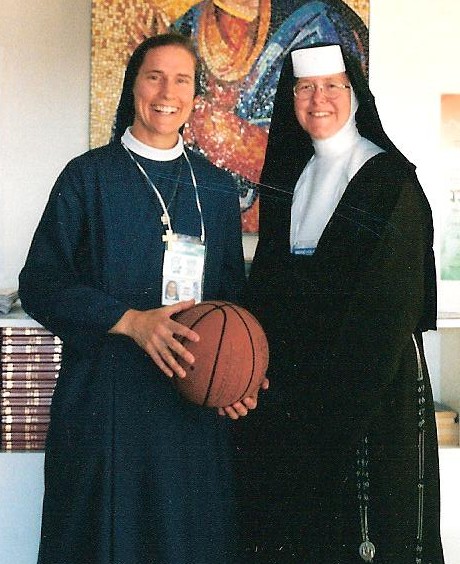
(306, 248)
(183, 269)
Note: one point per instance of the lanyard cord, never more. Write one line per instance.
(159, 196)
(197, 198)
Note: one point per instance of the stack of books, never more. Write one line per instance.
(30, 363)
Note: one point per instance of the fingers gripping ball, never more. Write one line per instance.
(231, 357)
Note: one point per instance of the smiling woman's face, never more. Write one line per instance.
(163, 95)
(317, 115)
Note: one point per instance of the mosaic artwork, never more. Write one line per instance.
(241, 44)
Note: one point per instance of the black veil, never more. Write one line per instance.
(289, 143)
(289, 148)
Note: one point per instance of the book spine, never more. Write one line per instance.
(24, 402)
(24, 393)
(12, 340)
(23, 445)
(30, 367)
(17, 375)
(8, 331)
(24, 437)
(28, 419)
(14, 410)
(17, 427)
(45, 348)
(29, 385)
(25, 358)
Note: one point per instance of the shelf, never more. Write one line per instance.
(448, 320)
(17, 317)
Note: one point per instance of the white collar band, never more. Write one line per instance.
(149, 152)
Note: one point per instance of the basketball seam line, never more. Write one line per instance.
(252, 347)
(213, 373)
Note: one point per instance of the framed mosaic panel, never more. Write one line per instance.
(241, 44)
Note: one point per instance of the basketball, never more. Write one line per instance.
(231, 357)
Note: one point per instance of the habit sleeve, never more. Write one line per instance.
(56, 287)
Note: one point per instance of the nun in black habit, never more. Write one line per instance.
(339, 464)
(134, 474)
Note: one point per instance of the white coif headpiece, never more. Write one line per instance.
(318, 61)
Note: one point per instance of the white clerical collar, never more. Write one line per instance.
(149, 152)
(344, 139)
(340, 143)
(324, 181)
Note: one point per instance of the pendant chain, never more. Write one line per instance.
(367, 548)
(421, 453)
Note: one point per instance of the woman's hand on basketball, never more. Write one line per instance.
(155, 332)
(243, 407)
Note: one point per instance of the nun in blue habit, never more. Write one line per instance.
(133, 473)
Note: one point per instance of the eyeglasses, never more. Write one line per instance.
(330, 90)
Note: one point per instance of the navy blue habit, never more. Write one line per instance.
(133, 473)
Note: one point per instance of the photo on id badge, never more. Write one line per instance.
(183, 269)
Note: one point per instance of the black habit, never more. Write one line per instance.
(339, 428)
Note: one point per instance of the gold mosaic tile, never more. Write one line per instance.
(237, 108)
(115, 26)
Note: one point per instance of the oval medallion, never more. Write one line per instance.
(367, 551)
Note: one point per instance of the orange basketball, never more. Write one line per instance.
(231, 357)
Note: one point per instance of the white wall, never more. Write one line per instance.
(414, 49)
(44, 109)
(21, 494)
